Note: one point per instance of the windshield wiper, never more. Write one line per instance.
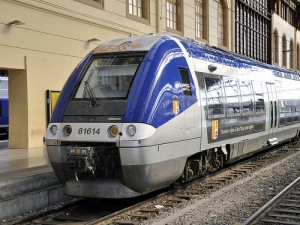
(88, 89)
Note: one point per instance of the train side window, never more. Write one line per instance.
(297, 110)
(215, 97)
(246, 96)
(258, 97)
(232, 96)
(186, 84)
(288, 111)
(282, 112)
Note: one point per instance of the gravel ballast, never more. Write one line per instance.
(235, 202)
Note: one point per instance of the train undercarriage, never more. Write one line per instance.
(203, 163)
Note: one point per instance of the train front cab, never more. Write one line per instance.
(116, 143)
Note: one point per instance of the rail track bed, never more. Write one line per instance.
(224, 197)
(283, 209)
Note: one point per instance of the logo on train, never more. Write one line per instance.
(175, 105)
(214, 129)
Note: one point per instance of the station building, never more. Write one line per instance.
(42, 41)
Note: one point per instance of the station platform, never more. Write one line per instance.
(27, 181)
(20, 159)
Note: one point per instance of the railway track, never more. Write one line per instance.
(282, 209)
(135, 211)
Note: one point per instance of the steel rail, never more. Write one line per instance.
(269, 204)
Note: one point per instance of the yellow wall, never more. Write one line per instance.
(284, 27)
(41, 54)
(18, 105)
(42, 74)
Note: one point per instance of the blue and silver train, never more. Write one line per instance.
(142, 113)
(4, 107)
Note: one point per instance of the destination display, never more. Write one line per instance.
(218, 130)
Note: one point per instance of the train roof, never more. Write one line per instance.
(196, 49)
(133, 43)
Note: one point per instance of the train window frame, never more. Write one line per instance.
(262, 86)
(222, 102)
(238, 96)
(87, 67)
(289, 109)
(297, 108)
(185, 81)
(250, 112)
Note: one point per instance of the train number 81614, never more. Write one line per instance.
(89, 131)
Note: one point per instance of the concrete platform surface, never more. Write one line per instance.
(27, 182)
(19, 159)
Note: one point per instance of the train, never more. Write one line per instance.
(143, 113)
(4, 115)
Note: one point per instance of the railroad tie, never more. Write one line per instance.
(286, 211)
(284, 216)
(186, 197)
(125, 222)
(147, 210)
(280, 222)
(144, 216)
(195, 191)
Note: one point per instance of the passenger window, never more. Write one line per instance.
(297, 110)
(247, 96)
(258, 97)
(289, 111)
(232, 96)
(186, 84)
(215, 97)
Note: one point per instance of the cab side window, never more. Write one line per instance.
(186, 84)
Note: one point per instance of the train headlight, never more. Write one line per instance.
(113, 130)
(68, 130)
(54, 129)
(131, 130)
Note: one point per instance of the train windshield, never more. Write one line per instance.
(108, 78)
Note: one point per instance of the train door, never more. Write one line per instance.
(189, 116)
(202, 99)
(273, 108)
